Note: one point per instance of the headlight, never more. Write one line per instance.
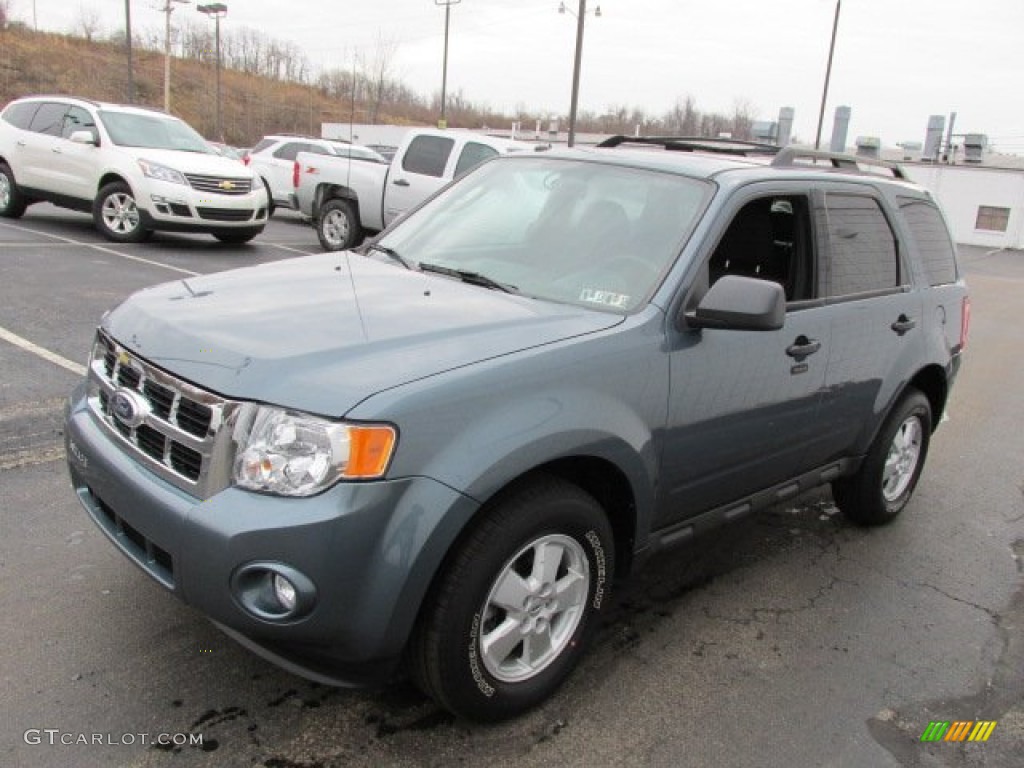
(161, 172)
(293, 454)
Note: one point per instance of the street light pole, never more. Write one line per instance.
(443, 122)
(828, 75)
(168, 9)
(217, 11)
(128, 44)
(580, 17)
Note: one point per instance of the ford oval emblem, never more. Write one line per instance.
(129, 407)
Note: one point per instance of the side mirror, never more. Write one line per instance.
(740, 304)
(85, 137)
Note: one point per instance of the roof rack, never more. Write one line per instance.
(789, 157)
(696, 144)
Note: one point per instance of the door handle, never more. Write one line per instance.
(400, 183)
(903, 324)
(803, 347)
(56, 150)
(20, 143)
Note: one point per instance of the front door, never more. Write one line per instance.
(743, 409)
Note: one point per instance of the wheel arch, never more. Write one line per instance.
(932, 383)
(326, 192)
(111, 177)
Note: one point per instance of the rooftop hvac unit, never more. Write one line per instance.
(840, 127)
(975, 145)
(869, 146)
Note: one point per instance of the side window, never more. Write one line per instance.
(862, 247)
(289, 151)
(316, 149)
(49, 119)
(473, 154)
(428, 155)
(937, 254)
(20, 115)
(261, 145)
(770, 238)
(77, 119)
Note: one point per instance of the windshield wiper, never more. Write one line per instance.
(391, 253)
(473, 278)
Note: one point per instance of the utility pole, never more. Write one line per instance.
(443, 122)
(828, 75)
(168, 9)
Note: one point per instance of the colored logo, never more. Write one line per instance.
(227, 186)
(958, 730)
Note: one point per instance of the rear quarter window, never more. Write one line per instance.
(938, 256)
(20, 115)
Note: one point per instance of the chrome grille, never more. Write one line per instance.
(219, 185)
(179, 436)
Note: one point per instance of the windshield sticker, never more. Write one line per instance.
(607, 298)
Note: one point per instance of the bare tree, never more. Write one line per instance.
(743, 113)
(87, 22)
(5, 13)
(376, 71)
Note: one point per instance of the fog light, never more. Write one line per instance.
(284, 591)
(272, 591)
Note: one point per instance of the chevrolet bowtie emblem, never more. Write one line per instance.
(227, 185)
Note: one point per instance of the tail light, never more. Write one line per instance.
(965, 321)
(296, 171)
(247, 159)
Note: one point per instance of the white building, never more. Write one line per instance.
(983, 204)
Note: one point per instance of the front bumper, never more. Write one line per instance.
(370, 549)
(178, 207)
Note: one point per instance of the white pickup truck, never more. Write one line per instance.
(345, 198)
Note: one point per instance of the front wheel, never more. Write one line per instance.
(509, 618)
(337, 226)
(116, 215)
(886, 480)
(12, 202)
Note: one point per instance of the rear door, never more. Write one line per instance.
(876, 312)
(40, 149)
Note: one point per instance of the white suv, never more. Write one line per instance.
(273, 158)
(136, 170)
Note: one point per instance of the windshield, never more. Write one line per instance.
(571, 231)
(129, 129)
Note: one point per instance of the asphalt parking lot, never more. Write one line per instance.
(793, 639)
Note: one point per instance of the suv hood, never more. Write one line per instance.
(191, 162)
(321, 333)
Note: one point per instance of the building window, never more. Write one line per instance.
(992, 219)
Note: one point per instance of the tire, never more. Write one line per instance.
(883, 485)
(485, 660)
(337, 226)
(271, 206)
(116, 215)
(12, 202)
(238, 236)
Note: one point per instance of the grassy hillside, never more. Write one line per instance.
(39, 62)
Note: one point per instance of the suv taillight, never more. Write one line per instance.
(965, 321)
(296, 169)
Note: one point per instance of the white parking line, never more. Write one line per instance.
(102, 249)
(45, 354)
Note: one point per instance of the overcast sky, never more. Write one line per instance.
(896, 61)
